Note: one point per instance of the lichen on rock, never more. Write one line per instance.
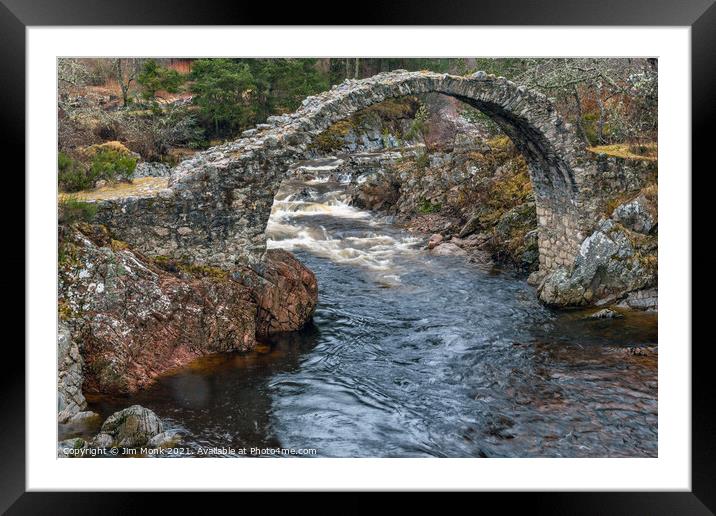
(131, 427)
(613, 261)
(136, 317)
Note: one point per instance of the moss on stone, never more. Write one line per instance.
(64, 311)
(388, 112)
(205, 271)
(425, 206)
(332, 138)
(642, 152)
(177, 266)
(118, 245)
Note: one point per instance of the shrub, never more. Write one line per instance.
(71, 210)
(422, 160)
(425, 206)
(112, 165)
(73, 175)
(419, 126)
(153, 135)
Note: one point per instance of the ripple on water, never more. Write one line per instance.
(417, 355)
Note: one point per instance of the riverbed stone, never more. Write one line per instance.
(435, 240)
(286, 294)
(165, 439)
(448, 249)
(605, 313)
(132, 427)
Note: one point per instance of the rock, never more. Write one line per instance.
(165, 439)
(102, 440)
(83, 418)
(435, 240)
(605, 314)
(66, 447)
(151, 169)
(286, 296)
(305, 194)
(612, 262)
(136, 320)
(448, 249)
(470, 226)
(376, 191)
(536, 278)
(70, 400)
(639, 215)
(132, 427)
(515, 237)
(647, 299)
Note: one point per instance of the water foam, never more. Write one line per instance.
(291, 227)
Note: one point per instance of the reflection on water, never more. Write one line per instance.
(416, 355)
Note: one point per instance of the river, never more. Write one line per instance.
(414, 355)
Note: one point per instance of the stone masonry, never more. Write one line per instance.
(218, 203)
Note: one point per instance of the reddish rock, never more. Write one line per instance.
(287, 296)
(448, 249)
(134, 321)
(435, 240)
(135, 318)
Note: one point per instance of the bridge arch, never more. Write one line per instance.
(218, 202)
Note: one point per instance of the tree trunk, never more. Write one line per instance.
(602, 114)
(578, 104)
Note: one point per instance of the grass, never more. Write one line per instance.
(644, 152)
(141, 187)
(425, 206)
(72, 210)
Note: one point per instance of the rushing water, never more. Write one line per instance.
(415, 355)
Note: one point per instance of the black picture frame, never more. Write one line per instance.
(17, 15)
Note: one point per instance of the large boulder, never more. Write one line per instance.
(617, 261)
(378, 191)
(136, 320)
(286, 294)
(131, 427)
(612, 262)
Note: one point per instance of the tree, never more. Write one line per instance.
(283, 83)
(224, 90)
(125, 71)
(154, 78)
(71, 74)
(613, 99)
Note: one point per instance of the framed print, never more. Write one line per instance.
(387, 255)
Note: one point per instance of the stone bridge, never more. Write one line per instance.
(218, 203)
